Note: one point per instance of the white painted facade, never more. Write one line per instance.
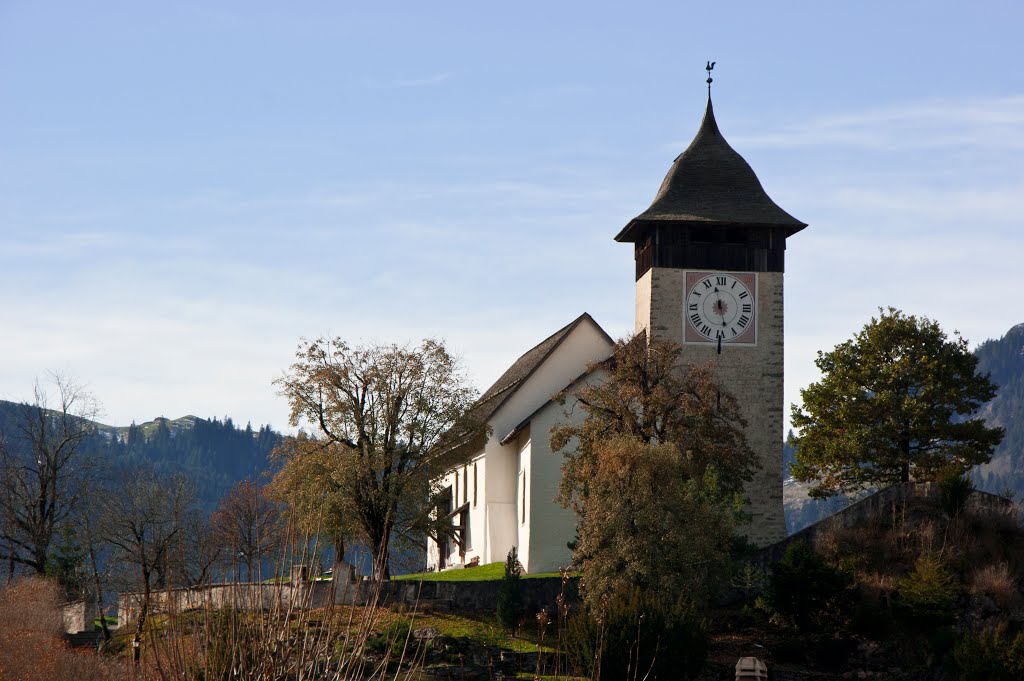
(505, 495)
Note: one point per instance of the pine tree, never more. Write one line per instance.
(510, 595)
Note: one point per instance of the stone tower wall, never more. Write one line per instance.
(754, 375)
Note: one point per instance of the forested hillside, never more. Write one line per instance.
(1004, 359)
(214, 453)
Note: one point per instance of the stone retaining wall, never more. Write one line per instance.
(881, 503)
(466, 596)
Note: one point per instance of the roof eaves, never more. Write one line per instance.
(566, 332)
(525, 422)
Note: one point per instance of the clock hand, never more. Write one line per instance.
(718, 306)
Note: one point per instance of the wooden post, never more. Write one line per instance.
(751, 669)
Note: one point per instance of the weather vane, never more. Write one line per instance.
(708, 68)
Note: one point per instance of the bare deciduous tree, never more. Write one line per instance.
(43, 468)
(247, 524)
(145, 515)
(393, 417)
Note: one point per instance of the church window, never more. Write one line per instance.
(465, 485)
(474, 484)
(455, 497)
(522, 502)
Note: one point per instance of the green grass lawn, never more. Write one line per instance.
(111, 621)
(482, 573)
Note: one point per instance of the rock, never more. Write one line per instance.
(428, 633)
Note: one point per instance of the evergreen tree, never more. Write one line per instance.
(893, 404)
(510, 594)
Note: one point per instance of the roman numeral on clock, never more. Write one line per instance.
(744, 320)
(720, 281)
(695, 318)
(693, 307)
(747, 307)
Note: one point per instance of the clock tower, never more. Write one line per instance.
(710, 256)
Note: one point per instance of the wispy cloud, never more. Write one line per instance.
(435, 79)
(996, 122)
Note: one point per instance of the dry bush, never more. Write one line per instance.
(866, 549)
(31, 647)
(34, 604)
(284, 639)
(987, 539)
(996, 582)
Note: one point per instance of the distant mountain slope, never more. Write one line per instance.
(215, 454)
(1003, 358)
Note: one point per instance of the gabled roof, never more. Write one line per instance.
(607, 363)
(524, 367)
(710, 184)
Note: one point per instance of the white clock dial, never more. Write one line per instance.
(720, 306)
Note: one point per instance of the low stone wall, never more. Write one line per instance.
(537, 594)
(242, 595)
(467, 596)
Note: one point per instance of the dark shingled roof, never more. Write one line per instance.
(711, 184)
(523, 368)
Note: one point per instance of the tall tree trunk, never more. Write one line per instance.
(144, 610)
(381, 552)
(338, 566)
(339, 551)
(905, 448)
(99, 587)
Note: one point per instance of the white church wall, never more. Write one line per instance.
(552, 526)
(467, 482)
(501, 499)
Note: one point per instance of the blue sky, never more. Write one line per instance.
(188, 188)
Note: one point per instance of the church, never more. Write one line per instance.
(710, 256)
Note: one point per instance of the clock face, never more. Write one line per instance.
(720, 306)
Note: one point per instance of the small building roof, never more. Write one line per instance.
(711, 184)
(524, 367)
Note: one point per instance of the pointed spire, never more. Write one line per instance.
(710, 184)
(708, 126)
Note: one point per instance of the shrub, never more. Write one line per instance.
(510, 595)
(393, 637)
(31, 648)
(635, 636)
(954, 489)
(802, 587)
(927, 594)
(996, 582)
(989, 655)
